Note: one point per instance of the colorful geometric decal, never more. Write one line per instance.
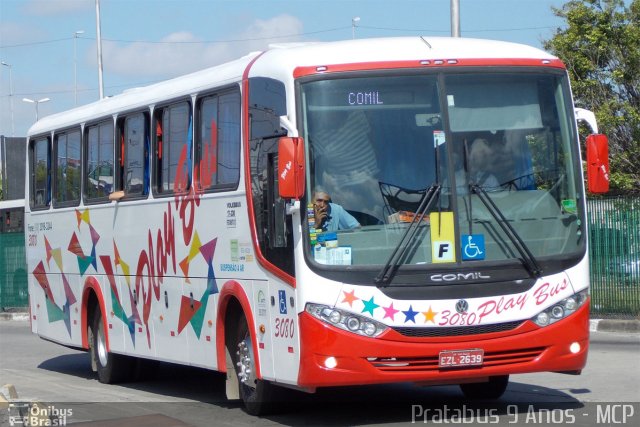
(84, 261)
(144, 275)
(118, 310)
(193, 252)
(192, 311)
(54, 312)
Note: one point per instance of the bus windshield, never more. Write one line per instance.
(497, 145)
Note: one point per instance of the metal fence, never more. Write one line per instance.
(614, 224)
(13, 274)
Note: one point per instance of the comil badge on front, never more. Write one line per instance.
(462, 306)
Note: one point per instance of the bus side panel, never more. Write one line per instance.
(284, 332)
(114, 327)
(168, 336)
(135, 332)
(57, 316)
(261, 313)
(199, 328)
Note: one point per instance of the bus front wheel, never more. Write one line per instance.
(257, 395)
(493, 389)
(111, 368)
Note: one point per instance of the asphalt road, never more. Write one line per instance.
(606, 393)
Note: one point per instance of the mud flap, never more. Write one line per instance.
(232, 387)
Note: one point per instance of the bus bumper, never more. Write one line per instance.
(395, 358)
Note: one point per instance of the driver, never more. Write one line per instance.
(331, 216)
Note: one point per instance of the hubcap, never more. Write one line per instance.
(246, 367)
(102, 346)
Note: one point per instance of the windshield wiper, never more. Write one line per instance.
(389, 270)
(528, 259)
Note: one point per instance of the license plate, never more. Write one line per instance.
(456, 358)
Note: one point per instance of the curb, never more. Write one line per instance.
(14, 316)
(614, 325)
(595, 325)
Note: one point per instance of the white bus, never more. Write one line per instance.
(289, 218)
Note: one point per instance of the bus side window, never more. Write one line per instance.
(99, 167)
(67, 175)
(173, 126)
(218, 142)
(133, 155)
(40, 167)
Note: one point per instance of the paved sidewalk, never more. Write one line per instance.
(595, 325)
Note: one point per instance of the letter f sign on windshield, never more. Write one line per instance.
(443, 251)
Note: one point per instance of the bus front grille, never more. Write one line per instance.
(430, 363)
(457, 330)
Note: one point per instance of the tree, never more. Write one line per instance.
(600, 46)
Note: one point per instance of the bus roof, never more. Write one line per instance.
(280, 61)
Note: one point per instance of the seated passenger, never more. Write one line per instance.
(331, 216)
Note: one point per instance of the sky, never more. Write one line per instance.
(145, 41)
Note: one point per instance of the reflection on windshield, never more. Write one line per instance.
(376, 144)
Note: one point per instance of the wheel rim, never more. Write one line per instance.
(246, 363)
(101, 346)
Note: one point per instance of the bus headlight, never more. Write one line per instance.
(346, 320)
(561, 309)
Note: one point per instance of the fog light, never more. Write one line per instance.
(330, 362)
(557, 312)
(575, 348)
(353, 324)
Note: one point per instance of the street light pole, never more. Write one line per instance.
(99, 42)
(31, 101)
(13, 130)
(75, 64)
(455, 18)
(354, 22)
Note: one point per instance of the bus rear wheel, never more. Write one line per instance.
(257, 395)
(492, 389)
(111, 368)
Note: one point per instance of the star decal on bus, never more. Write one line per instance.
(410, 315)
(390, 312)
(350, 297)
(429, 315)
(369, 306)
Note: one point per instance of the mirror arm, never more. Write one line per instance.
(292, 207)
(290, 127)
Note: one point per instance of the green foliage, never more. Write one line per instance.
(600, 46)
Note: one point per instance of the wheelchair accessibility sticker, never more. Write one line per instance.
(472, 246)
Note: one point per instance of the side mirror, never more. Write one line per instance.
(291, 168)
(597, 163)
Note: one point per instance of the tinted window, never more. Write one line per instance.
(67, 169)
(40, 173)
(219, 142)
(99, 170)
(134, 143)
(173, 133)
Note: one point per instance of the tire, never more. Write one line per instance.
(258, 396)
(111, 368)
(493, 389)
